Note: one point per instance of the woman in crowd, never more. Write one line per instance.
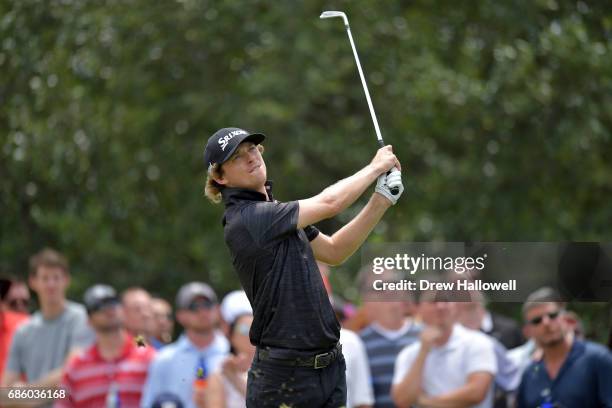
(227, 388)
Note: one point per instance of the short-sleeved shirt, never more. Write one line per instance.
(39, 346)
(584, 380)
(448, 367)
(278, 272)
(175, 366)
(88, 378)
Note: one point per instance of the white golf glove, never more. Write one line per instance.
(392, 179)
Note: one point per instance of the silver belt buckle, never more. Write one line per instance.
(316, 361)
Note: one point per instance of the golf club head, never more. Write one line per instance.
(332, 14)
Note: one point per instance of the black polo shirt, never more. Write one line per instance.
(278, 272)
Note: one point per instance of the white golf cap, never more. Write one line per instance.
(235, 304)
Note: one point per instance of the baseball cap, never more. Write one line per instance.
(189, 292)
(98, 297)
(235, 304)
(224, 142)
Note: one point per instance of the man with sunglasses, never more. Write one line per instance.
(571, 372)
(199, 350)
(112, 372)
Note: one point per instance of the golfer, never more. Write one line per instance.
(273, 245)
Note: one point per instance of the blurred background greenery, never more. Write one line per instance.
(501, 113)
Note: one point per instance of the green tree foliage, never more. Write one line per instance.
(501, 113)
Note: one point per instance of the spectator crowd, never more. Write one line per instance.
(118, 349)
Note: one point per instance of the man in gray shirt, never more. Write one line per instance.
(41, 346)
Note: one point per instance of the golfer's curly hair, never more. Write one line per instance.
(212, 189)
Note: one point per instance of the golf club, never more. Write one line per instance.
(394, 188)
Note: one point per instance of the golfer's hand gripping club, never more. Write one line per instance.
(394, 177)
(382, 186)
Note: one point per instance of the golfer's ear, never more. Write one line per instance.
(219, 179)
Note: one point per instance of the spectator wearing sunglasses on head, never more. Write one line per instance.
(571, 372)
(17, 298)
(197, 352)
(9, 322)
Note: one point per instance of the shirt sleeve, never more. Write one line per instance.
(404, 362)
(311, 232)
(15, 356)
(269, 222)
(481, 356)
(508, 373)
(359, 385)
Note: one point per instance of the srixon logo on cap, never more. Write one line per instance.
(223, 141)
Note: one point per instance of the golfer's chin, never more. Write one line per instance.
(258, 176)
(253, 181)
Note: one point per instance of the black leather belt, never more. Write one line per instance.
(316, 361)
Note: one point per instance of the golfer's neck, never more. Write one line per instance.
(263, 191)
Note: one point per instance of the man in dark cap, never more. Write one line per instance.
(274, 249)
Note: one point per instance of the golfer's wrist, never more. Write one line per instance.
(374, 171)
(380, 200)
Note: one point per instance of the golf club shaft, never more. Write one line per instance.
(365, 88)
(394, 189)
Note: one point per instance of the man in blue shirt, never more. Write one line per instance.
(199, 350)
(571, 373)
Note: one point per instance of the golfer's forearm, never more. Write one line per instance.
(350, 237)
(407, 391)
(346, 191)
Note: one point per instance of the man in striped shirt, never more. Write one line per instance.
(388, 333)
(112, 372)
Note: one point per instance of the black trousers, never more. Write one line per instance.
(271, 384)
